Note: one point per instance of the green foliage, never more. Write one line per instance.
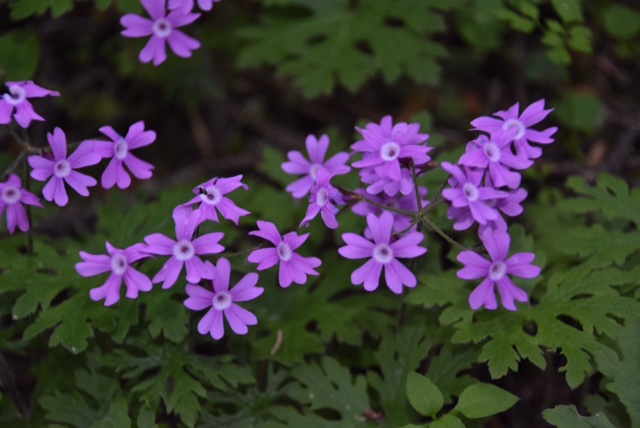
(580, 111)
(423, 394)
(568, 417)
(20, 50)
(484, 399)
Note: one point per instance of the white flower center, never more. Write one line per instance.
(183, 250)
(11, 194)
(16, 95)
(162, 28)
(212, 196)
(383, 253)
(119, 264)
(515, 123)
(313, 170)
(470, 192)
(492, 151)
(284, 251)
(62, 168)
(222, 300)
(322, 197)
(121, 149)
(497, 271)
(390, 151)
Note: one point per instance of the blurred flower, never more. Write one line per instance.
(184, 251)
(382, 253)
(118, 263)
(497, 243)
(12, 196)
(322, 200)
(297, 164)
(293, 267)
(17, 99)
(222, 301)
(62, 169)
(119, 152)
(211, 197)
(163, 29)
(187, 5)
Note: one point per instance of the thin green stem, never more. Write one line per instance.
(431, 225)
(14, 164)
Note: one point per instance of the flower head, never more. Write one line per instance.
(120, 153)
(323, 199)
(293, 267)
(118, 262)
(222, 301)
(12, 196)
(16, 100)
(382, 254)
(163, 29)
(187, 5)
(62, 169)
(495, 271)
(184, 251)
(211, 198)
(317, 150)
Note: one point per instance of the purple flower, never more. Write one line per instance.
(62, 169)
(187, 5)
(495, 154)
(163, 29)
(523, 135)
(323, 199)
(385, 145)
(497, 243)
(118, 263)
(387, 185)
(468, 194)
(119, 152)
(297, 164)
(12, 196)
(185, 250)
(211, 197)
(17, 99)
(382, 253)
(222, 301)
(293, 267)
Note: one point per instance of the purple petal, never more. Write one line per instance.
(266, 257)
(79, 182)
(510, 292)
(367, 274)
(58, 143)
(396, 274)
(136, 26)
(520, 265)
(239, 318)
(483, 295)
(181, 44)
(155, 50)
(155, 8)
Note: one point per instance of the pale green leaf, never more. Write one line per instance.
(423, 394)
(484, 399)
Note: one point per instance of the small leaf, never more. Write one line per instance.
(484, 399)
(20, 50)
(569, 10)
(621, 21)
(568, 417)
(423, 394)
(116, 416)
(447, 421)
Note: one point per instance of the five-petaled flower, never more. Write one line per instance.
(17, 99)
(323, 200)
(211, 197)
(293, 267)
(118, 262)
(495, 271)
(62, 168)
(12, 196)
(119, 152)
(184, 251)
(163, 29)
(222, 301)
(382, 253)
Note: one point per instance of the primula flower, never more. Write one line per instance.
(211, 197)
(12, 196)
(222, 301)
(163, 29)
(184, 251)
(510, 120)
(62, 168)
(467, 193)
(323, 199)
(387, 185)
(17, 99)
(495, 271)
(293, 267)
(119, 152)
(382, 253)
(187, 5)
(297, 164)
(118, 263)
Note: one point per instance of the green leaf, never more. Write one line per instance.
(19, 55)
(484, 399)
(25, 8)
(447, 421)
(423, 394)
(568, 417)
(116, 416)
(444, 368)
(146, 418)
(580, 111)
(621, 21)
(569, 10)
(165, 315)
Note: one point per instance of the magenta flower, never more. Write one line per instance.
(118, 262)
(323, 199)
(523, 135)
(382, 253)
(187, 5)
(163, 29)
(293, 267)
(497, 243)
(297, 164)
(62, 168)
(211, 197)
(222, 301)
(387, 185)
(12, 196)
(17, 99)
(184, 251)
